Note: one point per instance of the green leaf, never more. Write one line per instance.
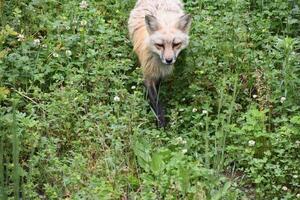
(3, 92)
(157, 163)
(184, 178)
(142, 151)
(222, 192)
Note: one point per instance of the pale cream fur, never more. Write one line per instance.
(167, 12)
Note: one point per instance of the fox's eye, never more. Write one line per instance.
(159, 46)
(176, 45)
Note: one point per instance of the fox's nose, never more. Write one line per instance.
(169, 61)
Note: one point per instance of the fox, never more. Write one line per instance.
(159, 31)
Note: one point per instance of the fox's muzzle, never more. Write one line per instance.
(169, 61)
(168, 55)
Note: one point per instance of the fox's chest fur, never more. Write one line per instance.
(166, 11)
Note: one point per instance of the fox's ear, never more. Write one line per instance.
(184, 23)
(151, 23)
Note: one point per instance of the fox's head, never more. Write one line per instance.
(169, 36)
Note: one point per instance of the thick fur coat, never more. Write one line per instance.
(167, 12)
(159, 31)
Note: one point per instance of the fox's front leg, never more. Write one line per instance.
(152, 87)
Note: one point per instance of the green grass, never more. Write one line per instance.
(75, 124)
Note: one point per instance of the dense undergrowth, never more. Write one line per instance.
(75, 124)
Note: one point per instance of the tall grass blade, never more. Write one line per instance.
(3, 194)
(15, 155)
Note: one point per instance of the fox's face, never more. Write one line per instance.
(168, 39)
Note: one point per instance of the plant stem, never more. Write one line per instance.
(15, 143)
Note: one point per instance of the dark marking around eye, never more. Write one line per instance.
(159, 45)
(177, 45)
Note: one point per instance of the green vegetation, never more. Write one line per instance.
(75, 124)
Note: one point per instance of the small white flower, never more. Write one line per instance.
(133, 87)
(284, 188)
(68, 28)
(184, 151)
(194, 110)
(282, 99)
(116, 99)
(298, 196)
(297, 142)
(254, 96)
(83, 22)
(208, 19)
(44, 46)
(55, 55)
(36, 42)
(204, 112)
(181, 110)
(295, 176)
(21, 37)
(251, 143)
(68, 52)
(83, 5)
(183, 99)
(179, 139)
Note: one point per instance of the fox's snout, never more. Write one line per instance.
(168, 56)
(169, 61)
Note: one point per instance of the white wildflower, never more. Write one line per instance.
(179, 139)
(184, 151)
(295, 176)
(254, 96)
(68, 28)
(284, 188)
(181, 110)
(55, 55)
(68, 52)
(194, 110)
(251, 143)
(117, 99)
(83, 22)
(36, 42)
(83, 5)
(21, 37)
(204, 112)
(282, 99)
(298, 196)
(133, 87)
(44, 46)
(297, 142)
(208, 19)
(183, 99)
(125, 169)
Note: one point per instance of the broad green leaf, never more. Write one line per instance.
(157, 164)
